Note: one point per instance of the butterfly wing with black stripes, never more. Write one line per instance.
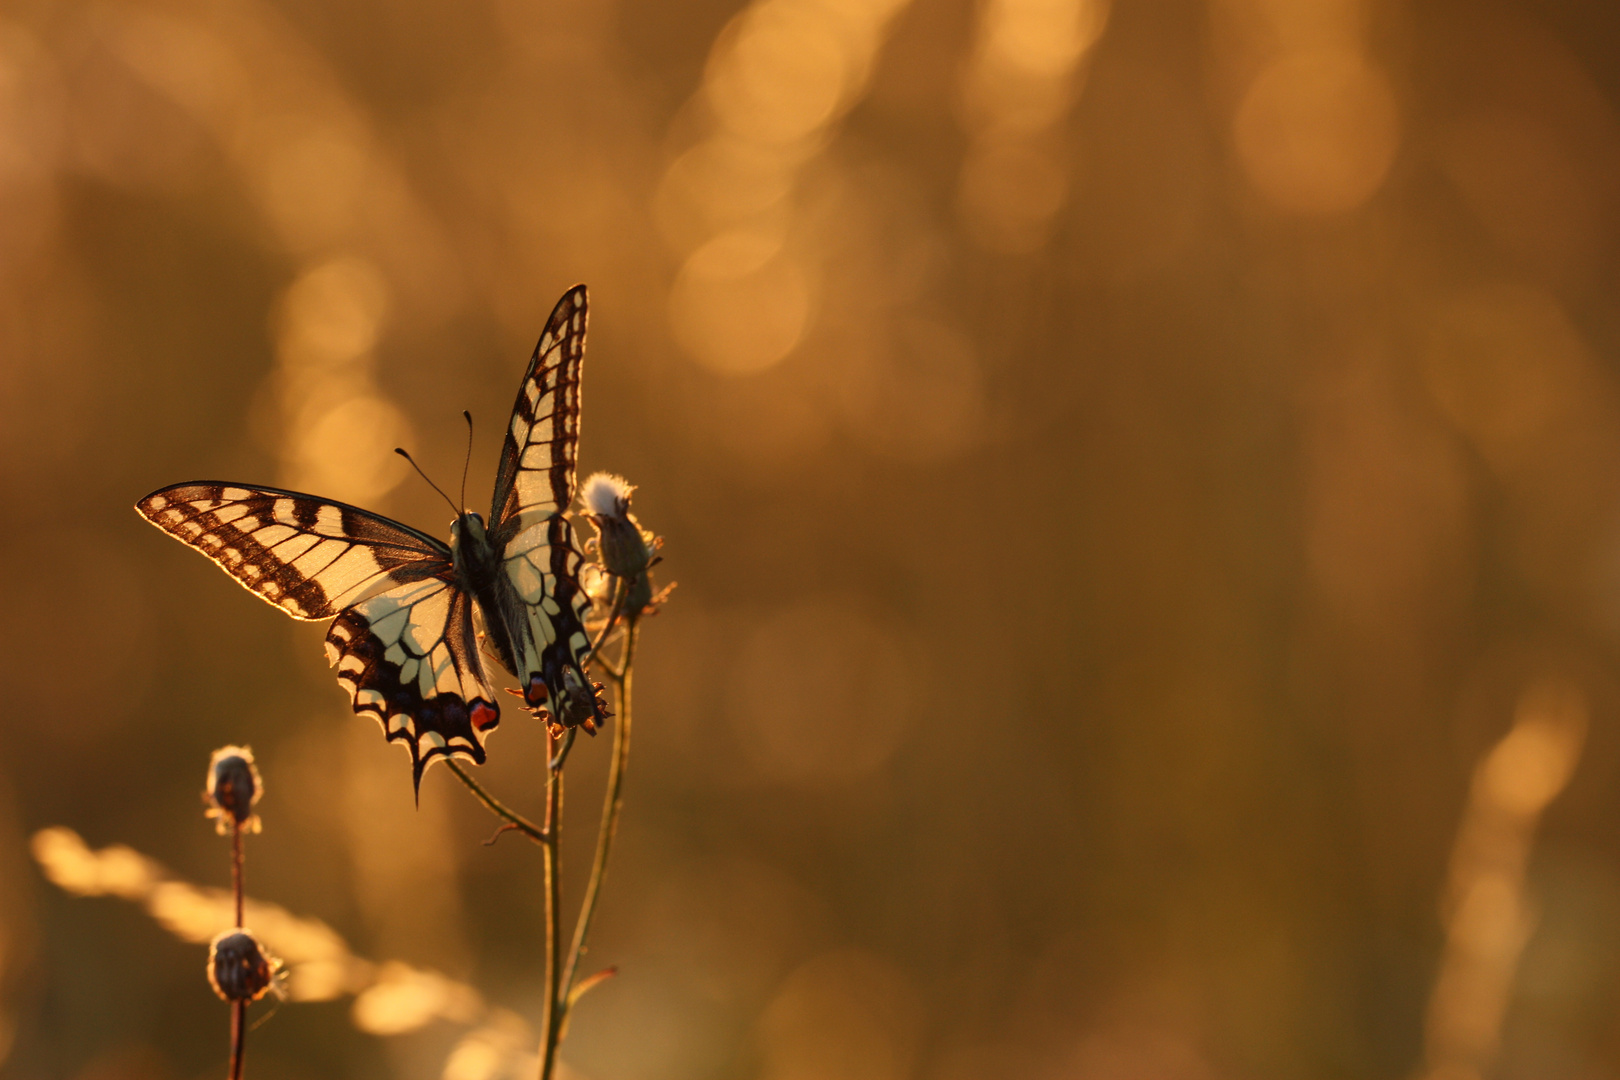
(539, 598)
(402, 638)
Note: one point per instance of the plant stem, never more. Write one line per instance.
(238, 1007)
(611, 803)
(495, 806)
(567, 743)
(238, 882)
(621, 590)
(238, 1037)
(552, 1013)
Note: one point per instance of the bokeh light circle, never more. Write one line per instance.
(1317, 132)
(740, 304)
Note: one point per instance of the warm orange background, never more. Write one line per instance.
(1144, 486)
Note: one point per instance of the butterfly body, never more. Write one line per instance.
(477, 567)
(406, 607)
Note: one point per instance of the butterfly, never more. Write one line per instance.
(406, 608)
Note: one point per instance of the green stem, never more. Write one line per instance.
(552, 1010)
(495, 806)
(611, 803)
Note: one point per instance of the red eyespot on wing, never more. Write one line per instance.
(535, 692)
(485, 715)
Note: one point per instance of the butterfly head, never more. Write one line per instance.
(469, 548)
(468, 528)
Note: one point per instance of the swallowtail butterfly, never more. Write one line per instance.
(407, 608)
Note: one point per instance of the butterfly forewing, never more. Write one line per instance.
(536, 475)
(534, 485)
(310, 557)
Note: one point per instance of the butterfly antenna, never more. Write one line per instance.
(400, 450)
(467, 460)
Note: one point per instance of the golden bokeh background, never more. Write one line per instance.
(1144, 482)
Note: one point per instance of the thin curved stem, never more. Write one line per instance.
(496, 807)
(608, 669)
(552, 1011)
(567, 744)
(601, 662)
(612, 801)
(621, 590)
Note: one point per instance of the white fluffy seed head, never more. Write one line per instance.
(606, 495)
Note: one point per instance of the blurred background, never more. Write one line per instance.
(1144, 483)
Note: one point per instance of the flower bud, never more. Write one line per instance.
(239, 968)
(626, 550)
(233, 787)
(640, 597)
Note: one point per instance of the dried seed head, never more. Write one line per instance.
(626, 550)
(606, 495)
(239, 968)
(234, 786)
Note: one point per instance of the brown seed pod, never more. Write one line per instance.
(239, 968)
(234, 785)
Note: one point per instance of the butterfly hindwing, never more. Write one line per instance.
(409, 659)
(542, 566)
